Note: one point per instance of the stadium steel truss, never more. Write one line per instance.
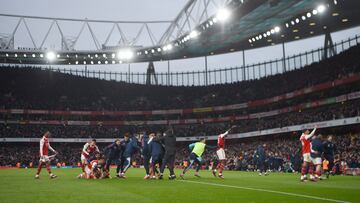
(202, 28)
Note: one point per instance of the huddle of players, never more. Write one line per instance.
(156, 149)
(314, 148)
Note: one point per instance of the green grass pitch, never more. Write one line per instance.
(19, 185)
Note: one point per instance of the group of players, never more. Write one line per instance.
(158, 151)
(314, 151)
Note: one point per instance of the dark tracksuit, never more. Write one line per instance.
(329, 148)
(130, 148)
(261, 157)
(316, 148)
(169, 141)
(112, 153)
(157, 153)
(146, 152)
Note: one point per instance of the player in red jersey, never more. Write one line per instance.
(93, 170)
(44, 155)
(220, 152)
(305, 139)
(88, 149)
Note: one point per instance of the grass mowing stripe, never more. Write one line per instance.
(269, 191)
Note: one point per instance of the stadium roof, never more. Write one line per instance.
(252, 24)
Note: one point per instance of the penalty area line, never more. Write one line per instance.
(269, 191)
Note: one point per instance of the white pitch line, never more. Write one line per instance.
(270, 191)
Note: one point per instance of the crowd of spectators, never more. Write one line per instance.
(330, 112)
(32, 88)
(283, 153)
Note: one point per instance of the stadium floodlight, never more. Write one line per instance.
(265, 35)
(308, 15)
(315, 12)
(84, 62)
(113, 55)
(250, 40)
(125, 54)
(260, 36)
(223, 14)
(268, 33)
(76, 62)
(292, 22)
(277, 29)
(193, 34)
(215, 20)
(272, 31)
(33, 55)
(50, 56)
(92, 62)
(303, 17)
(99, 62)
(297, 20)
(146, 52)
(106, 62)
(113, 62)
(152, 50)
(287, 24)
(321, 8)
(25, 55)
(7, 55)
(96, 55)
(41, 55)
(159, 49)
(104, 55)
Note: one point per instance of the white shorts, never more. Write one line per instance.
(87, 171)
(306, 157)
(221, 154)
(44, 158)
(83, 158)
(316, 161)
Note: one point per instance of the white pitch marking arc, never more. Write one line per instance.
(269, 191)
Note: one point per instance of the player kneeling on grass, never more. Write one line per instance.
(94, 170)
(315, 155)
(197, 149)
(44, 155)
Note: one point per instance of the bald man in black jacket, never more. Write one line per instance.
(169, 141)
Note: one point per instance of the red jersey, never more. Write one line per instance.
(45, 146)
(305, 142)
(88, 149)
(221, 140)
(93, 164)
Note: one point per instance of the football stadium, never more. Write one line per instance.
(180, 101)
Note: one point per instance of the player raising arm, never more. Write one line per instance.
(305, 142)
(44, 155)
(88, 149)
(220, 152)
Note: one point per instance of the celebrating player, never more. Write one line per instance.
(316, 150)
(144, 139)
(197, 149)
(157, 153)
(220, 152)
(44, 155)
(305, 142)
(93, 170)
(113, 154)
(130, 148)
(88, 149)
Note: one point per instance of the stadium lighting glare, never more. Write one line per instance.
(193, 34)
(104, 55)
(215, 20)
(321, 8)
(84, 62)
(152, 50)
(125, 54)
(268, 33)
(297, 20)
(41, 55)
(96, 55)
(33, 55)
(277, 29)
(272, 31)
(58, 56)
(253, 39)
(287, 24)
(265, 35)
(113, 55)
(146, 52)
(250, 40)
(106, 62)
(223, 14)
(25, 55)
(50, 56)
(76, 62)
(260, 36)
(159, 49)
(211, 22)
(92, 62)
(303, 17)
(292, 22)
(257, 38)
(113, 62)
(308, 15)
(315, 12)
(99, 62)
(7, 55)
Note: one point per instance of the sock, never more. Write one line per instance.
(39, 168)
